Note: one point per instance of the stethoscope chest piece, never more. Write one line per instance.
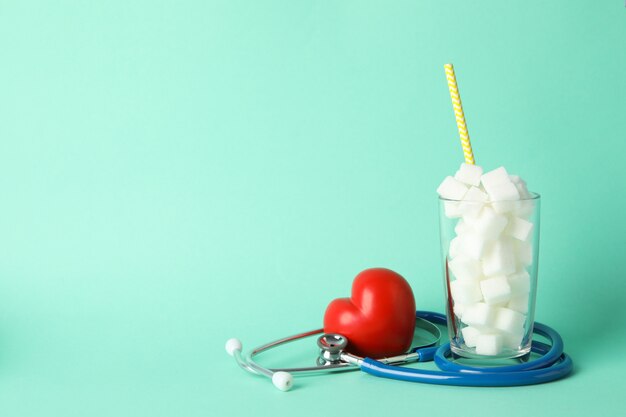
(331, 347)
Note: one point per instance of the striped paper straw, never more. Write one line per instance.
(458, 113)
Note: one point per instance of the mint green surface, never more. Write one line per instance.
(176, 174)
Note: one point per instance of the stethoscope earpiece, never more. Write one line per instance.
(232, 345)
(282, 380)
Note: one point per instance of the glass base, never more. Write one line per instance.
(470, 353)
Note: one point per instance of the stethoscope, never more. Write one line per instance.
(552, 364)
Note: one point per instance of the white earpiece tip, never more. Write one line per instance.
(232, 345)
(282, 380)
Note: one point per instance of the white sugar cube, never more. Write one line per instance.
(502, 304)
(479, 315)
(454, 247)
(523, 253)
(513, 340)
(500, 259)
(503, 192)
(524, 209)
(488, 224)
(503, 207)
(519, 283)
(475, 194)
(489, 344)
(465, 268)
(462, 227)
(520, 184)
(473, 202)
(509, 321)
(519, 304)
(452, 189)
(470, 334)
(495, 290)
(473, 245)
(452, 209)
(495, 177)
(465, 292)
(459, 309)
(518, 228)
(469, 174)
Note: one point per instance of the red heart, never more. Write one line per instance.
(379, 318)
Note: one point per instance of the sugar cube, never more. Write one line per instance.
(499, 260)
(465, 292)
(473, 245)
(475, 194)
(520, 184)
(518, 228)
(509, 321)
(523, 253)
(462, 227)
(465, 268)
(503, 207)
(452, 189)
(473, 202)
(469, 174)
(513, 340)
(503, 192)
(519, 283)
(480, 315)
(495, 290)
(524, 208)
(519, 303)
(459, 309)
(489, 224)
(495, 177)
(489, 344)
(455, 244)
(452, 209)
(469, 335)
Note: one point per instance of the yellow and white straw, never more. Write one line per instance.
(458, 113)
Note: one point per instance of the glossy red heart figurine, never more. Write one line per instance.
(379, 318)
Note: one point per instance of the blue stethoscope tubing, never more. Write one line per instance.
(553, 364)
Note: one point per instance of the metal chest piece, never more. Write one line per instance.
(332, 346)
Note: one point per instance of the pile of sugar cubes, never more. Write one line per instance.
(489, 256)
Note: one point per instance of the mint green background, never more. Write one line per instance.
(177, 173)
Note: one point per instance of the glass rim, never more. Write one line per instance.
(533, 196)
